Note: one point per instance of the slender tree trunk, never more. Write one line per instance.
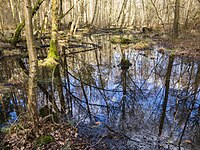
(167, 84)
(124, 72)
(95, 12)
(60, 13)
(187, 15)
(124, 93)
(110, 13)
(13, 10)
(3, 107)
(68, 93)
(59, 87)
(157, 13)
(33, 64)
(175, 31)
(122, 10)
(1, 22)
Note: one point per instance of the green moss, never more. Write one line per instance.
(5, 129)
(43, 140)
(53, 51)
(17, 33)
(115, 39)
(172, 54)
(49, 62)
(120, 39)
(125, 41)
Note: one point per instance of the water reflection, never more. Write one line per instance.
(158, 89)
(118, 85)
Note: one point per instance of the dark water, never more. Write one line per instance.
(129, 95)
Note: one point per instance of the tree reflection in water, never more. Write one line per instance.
(147, 90)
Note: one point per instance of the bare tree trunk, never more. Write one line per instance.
(95, 12)
(33, 64)
(59, 86)
(13, 10)
(3, 107)
(1, 22)
(143, 13)
(67, 86)
(124, 65)
(187, 15)
(175, 31)
(60, 13)
(122, 10)
(167, 84)
(157, 13)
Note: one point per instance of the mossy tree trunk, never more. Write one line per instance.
(53, 52)
(33, 64)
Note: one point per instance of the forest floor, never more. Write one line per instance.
(91, 136)
(185, 46)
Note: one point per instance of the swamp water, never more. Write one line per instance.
(118, 86)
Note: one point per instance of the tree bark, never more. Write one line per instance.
(122, 10)
(175, 31)
(95, 12)
(33, 64)
(53, 52)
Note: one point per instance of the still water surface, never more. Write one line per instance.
(117, 85)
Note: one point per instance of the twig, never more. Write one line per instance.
(120, 133)
(61, 17)
(96, 142)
